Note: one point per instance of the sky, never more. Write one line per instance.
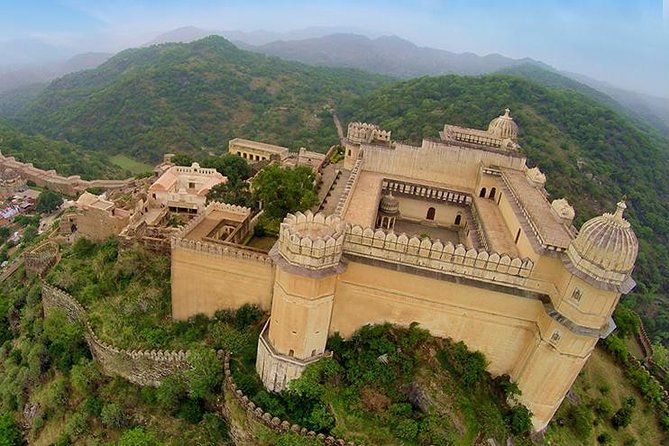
(623, 42)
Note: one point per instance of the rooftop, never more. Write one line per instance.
(271, 148)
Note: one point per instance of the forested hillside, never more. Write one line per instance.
(192, 97)
(591, 153)
(66, 158)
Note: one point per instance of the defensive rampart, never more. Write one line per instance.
(50, 179)
(140, 367)
(257, 414)
(437, 256)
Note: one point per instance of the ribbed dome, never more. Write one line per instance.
(389, 205)
(606, 247)
(503, 127)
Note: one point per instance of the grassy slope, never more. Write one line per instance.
(602, 373)
(130, 165)
(193, 97)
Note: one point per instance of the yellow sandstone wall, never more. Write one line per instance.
(204, 283)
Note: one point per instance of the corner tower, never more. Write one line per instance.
(308, 260)
(594, 271)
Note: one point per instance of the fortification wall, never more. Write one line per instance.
(257, 414)
(51, 180)
(41, 258)
(207, 277)
(140, 367)
(437, 256)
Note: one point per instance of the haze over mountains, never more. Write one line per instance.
(342, 47)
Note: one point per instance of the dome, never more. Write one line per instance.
(503, 127)
(606, 247)
(389, 205)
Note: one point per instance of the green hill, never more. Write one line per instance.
(591, 153)
(66, 158)
(190, 97)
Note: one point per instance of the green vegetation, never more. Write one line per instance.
(600, 393)
(285, 190)
(592, 155)
(390, 385)
(48, 201)
(44, 153)
(185, 97)
(130, 165)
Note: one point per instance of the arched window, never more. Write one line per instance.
(430, 213)
(291, 352)
(482, 194)
(458, 219)
(492, 193)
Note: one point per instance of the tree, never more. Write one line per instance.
(285, 190)
(182, 159)
(48, 201)
(519, 419)
(206, 373)
(10, 433)
(626, 320)
(234, 167)
(233, 192)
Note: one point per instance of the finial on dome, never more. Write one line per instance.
(506, 112)
(620, 208)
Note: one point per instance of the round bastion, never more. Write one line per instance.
(312, 241)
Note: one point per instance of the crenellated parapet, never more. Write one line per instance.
(43, 257)
(437, 256)
(143, 367)
(362, 132)
(312, 241)
(221, 249)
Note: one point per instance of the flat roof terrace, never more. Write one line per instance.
(535, 207)
(364, 204)
(494, 229)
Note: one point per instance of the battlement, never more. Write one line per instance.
(311, 240)
(362, 132)
(196, 169)
(436, 256)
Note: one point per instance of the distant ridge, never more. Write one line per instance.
(388, 55)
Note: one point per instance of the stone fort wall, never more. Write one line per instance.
(140, 367)
(50, 179)
(208, 276)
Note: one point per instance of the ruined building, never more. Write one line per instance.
(457, 234)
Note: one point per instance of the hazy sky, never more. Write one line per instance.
(624, 42)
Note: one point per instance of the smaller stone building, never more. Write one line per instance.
(95, 218)
(184, 189)
(254, 151)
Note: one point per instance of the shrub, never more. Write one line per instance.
(112, 415)
(191, 410)
(170, 392)
(580, 420)
(138, 437)
(519, 420)
(406, 429)
(10, 432)
(206, 374)
(76, 426)
(604, 438)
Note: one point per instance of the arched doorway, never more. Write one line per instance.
(458, 219)
(430, 213)
(492, 193)
(483, 191)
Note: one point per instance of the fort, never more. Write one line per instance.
(457, 234)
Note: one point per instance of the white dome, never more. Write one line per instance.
(503, 127)
(606, 247)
